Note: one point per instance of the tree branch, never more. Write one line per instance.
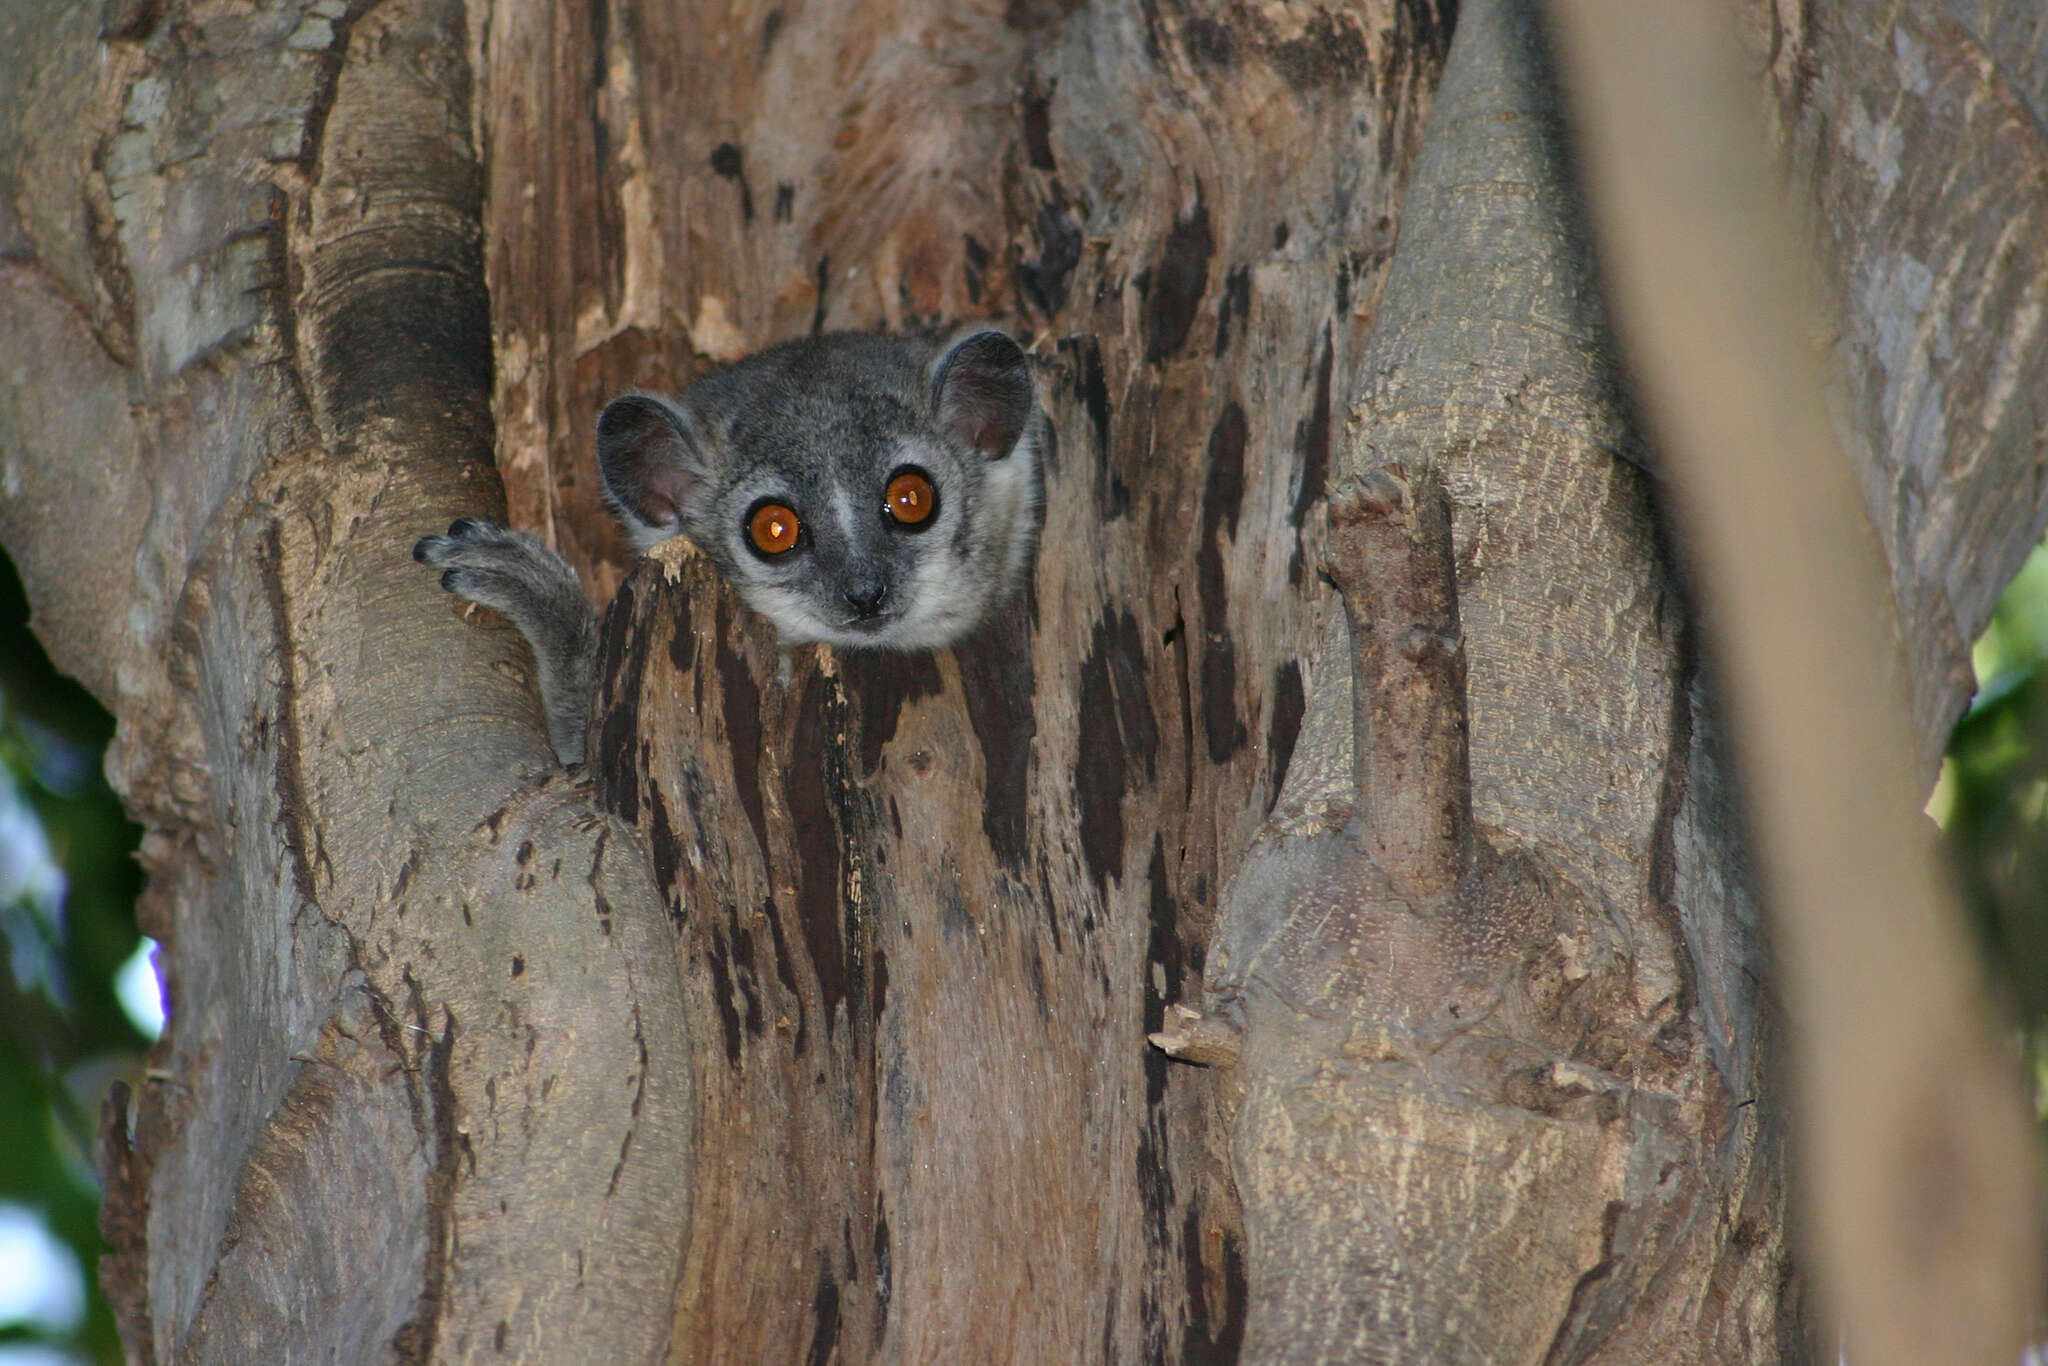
(1390, 555)
(1916, 1159)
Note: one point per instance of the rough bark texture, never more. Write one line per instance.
(1920, 1215)
(931, 907)
(408, 1065)
(444, 1082)
(1918, 129)
(1544, 1068)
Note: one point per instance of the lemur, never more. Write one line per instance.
(874, 492)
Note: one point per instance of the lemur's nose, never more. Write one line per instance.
(865, 595)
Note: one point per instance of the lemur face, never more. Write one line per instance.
(868, 491)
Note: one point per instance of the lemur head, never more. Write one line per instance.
(865, 490)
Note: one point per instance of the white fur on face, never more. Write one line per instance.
(950, 596)
(842, 508)
(944, 578)
(945, 596)
(791, 611)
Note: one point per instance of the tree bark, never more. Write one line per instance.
(816, 1025)
(1915, 127)
(419, 1075)
(1922, 1215)
(1545, 1068)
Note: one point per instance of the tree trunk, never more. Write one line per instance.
(815, 1026)
(427, 1062)
(1916, 1151)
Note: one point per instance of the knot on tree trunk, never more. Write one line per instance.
(1398, 963)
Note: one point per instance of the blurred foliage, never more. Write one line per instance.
(63, 1035)
(1993, 799)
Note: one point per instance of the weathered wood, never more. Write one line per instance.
(1549, 1096)
(1031, 831)
(1438, 1063)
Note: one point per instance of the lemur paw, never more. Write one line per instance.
(534, 588)
(489, 565)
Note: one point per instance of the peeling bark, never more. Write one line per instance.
(931, 907)
(1528, 1040)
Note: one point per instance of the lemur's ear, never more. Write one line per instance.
(981, 393)
(652, 463)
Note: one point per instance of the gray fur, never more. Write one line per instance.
(819, 425)
(512, 573)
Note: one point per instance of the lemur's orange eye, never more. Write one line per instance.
(773, 528)
(910, 498)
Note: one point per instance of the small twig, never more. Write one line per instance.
(1193, 1037)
